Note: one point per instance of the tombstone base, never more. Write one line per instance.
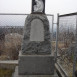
(16, 74)
(36, 65)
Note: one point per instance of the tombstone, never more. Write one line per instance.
(36, 56)
(36, 35)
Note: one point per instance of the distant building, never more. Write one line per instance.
(12, 29)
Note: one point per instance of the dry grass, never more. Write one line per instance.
(12, 46)
(6, 72)
(67, 60)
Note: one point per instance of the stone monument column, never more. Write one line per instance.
(36, 57)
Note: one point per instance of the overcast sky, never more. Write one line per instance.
(52, 6)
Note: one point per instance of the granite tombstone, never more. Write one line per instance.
(36, 35)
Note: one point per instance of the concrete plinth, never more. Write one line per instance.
(36, 65)
(16, 74)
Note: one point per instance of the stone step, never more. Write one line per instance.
(16, 74)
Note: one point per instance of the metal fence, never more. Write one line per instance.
(11, 33)
(63, 38)
(66, 43)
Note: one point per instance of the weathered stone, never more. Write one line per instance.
(37, 31)
(36, 65)
(35, 57)
(39, 43)
(17, 75)
(38, 6)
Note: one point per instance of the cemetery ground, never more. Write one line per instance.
(7, 68)
(66, 56)
(10, 51)
(12, 48)
(6, 72)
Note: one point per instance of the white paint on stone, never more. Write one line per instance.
(39, 6)
(37, 30)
